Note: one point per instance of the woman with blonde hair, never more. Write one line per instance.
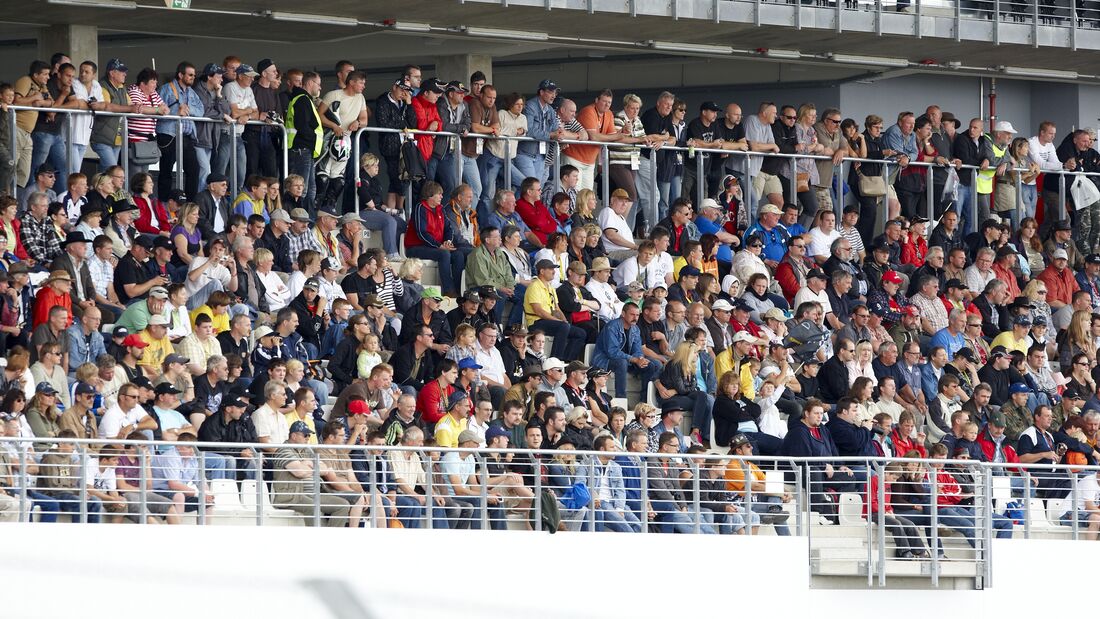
(1036, 293)
(274, 199)
(410, 273)
(678, 386)
(586, 208)
(806, 168)
(1078, 339)
(1004, 195)
(645, 419)
(624, 160)
(860, 365)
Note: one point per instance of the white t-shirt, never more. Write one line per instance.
(216, 272)
(278, 295)
(350, 106)
(82, 123)
(296, 282)
(1045, 156)
(114, 420)
(805, 294)
(820, 242)
(610, 305)
(241, 98)
(663, 268)
(609, 219)
(272, 424)
(104, 480)
(1087, 490)
(492, 364)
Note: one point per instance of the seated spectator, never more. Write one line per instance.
(811, 438)
(277, 294)
(464, 485)
(905, 534)
(431, 237)
(294, 485)
(667, 502)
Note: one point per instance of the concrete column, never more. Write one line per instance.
(80, 43)
(460, 67)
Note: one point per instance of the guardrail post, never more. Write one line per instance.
(179, 155)
(871, 529)
(202, 486)
(374, 501)
(14, 129)
(143, 483)
(317, 487)
(799, 520)
(124, 150)
(286, 152)
(886, 198)
(881, 519)
(536, 473)
(1061, 196)
(696, 504)
(746, 473)
(258, 460)
(931, 194)
(83, 455)
(794, 178)
(509, 156)
(233, 163)
(654, 206)
(356, 180)
(987, 475)
(935, 541)
(605, 176)
(645, 494)
(1027, 503)
(700, 180)
(483, 483)
(68, 144)
(24, 514)
(1073, 504)
(974, 202)
(592, 462)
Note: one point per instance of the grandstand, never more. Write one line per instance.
(770, 281)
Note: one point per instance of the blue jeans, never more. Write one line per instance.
(451, 265)
(300, 161)
(699, 403)
(225, 157)
(763, 506)
(489, 166)
(389, 226)
(964, 207)
(611, 520)
(69, 503)
(669, 190)
(446, 175)
(530, 165)
(47, 504)
(319, 389)
(409, 510)
(202, 156)
(1030, 198)
(49, 146)
(217, 466)
(515, 316)
(729, 523)
(108, 156)
(76, 157)
(495, 515)
(621, 368)
(568, 340)
(672, 520)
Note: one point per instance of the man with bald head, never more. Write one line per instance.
(732, 133)
(571, 129)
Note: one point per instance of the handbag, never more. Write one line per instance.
(144, 153)
(411, 164)
(871, 186)
(802, 182)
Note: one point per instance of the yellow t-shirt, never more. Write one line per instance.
(1009, 341)
(291, 417)
(539, 292)
(156, 351)
(447, 431)
(220, 322)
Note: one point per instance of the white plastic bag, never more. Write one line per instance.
(1084, 192)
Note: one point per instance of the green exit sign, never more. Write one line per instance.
(178, 4)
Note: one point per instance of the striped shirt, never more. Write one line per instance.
(143, 127)
(390, 288)
(103, 274)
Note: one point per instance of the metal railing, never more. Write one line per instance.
(432, 487)
(124, 159)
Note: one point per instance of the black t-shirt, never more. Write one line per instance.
(697, 131)
(209, 397)
(44, 124)
(727, 134)
(655, 124)
(128, 271)
(356, 284)
(648, 329)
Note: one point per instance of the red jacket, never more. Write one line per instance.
(431, 401)
(988, 446)
(426, 113)
(45, 300)
(914, 252)
(784, 274)
(146, 208)
(538, 218)
(872, 498)
(950, 493)
(904, 444)
(427, 226)
(1060, 286)
(16, 246)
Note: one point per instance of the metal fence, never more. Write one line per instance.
(928, 512)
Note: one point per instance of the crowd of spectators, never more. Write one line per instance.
(840, 323)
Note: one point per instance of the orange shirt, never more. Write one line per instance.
(591, 120)
(45, 300)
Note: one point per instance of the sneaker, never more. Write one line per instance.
(395, 257)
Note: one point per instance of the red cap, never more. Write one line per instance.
(135, 341)
(912, 310)
(358, 407)
(892, 277)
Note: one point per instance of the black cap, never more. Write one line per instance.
(1063, 224)
(115, 64)
(818, 273)
(880, 245)
(263, 64)
(403, 84)
(955, 283)
(165, 389)
(1006, 250)
(144, 240)
(1093, 259)
(162, 242)
(210, 70)
(966, 353)
(45, 168)
(709, 106)
(1071, 394)
(433, 85)
(143, 382)
(548, 85)
(177, 196)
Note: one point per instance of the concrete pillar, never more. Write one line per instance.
(460, 67)
(80, 43)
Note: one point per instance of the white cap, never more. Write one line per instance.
(552, 363)
(722, 304)
(1004, 125)
(743, 336)
(709, 203)
(768, 371)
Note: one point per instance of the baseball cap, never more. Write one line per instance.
(709, 106)
(741, 305)
(115, 64)
(431, 292)
(280, 214)
(468, 363)
(1093, 259)
(166, 389)
(775, 314)
(1006, 250)
(175, 358)
(966, 353)
(575, 366)
(261, 332)
(742, 336)
(739, 440)
(83, 388)
(515, 329)
(120, 331)
(142, 240)
(348, 218)
(456, 398)
(578, 267)
(143, 383)
(690, 271)
(246, 69)
(494, 432)
(892, 277)
(262, 65)
(552, 363)
(300, 427)
(548, 85)
(487, 292)
(211, 69)
(457, 86)
(816, 273)
(1023, 320)
(162, 242)
(312, 283)
(956, 283)
(1060, 254)
(331, 264)
(998, 419)
(45, 388)
(1063, 224)
(911, 310)
(327, 213)
(594, 371)
(403, 84)
(372, 300)
(358, 407)
(158, 320)
(723, 305)
(998, 352)
(1071, 394)
(545, 264)
(433, 84)
(1004, 125)
(235, 402)
(468, 436)
(1019, 388)
(771, 208)
(299, 214)
(177, 196)
(135, 341)
(709, 203)
(471, 295)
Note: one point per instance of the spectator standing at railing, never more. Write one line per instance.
(657, 121)
(106, 138)
(30, 90)
(544, 125)
(454, 117)
(143, 93)
(181, 99)
(393, 110)
(242, 104)
(829, 137)
(1043, 152)
(7, 139)
(49, 143)
(971, 149)
(260, 141)
(216, 108)
(1079, 156)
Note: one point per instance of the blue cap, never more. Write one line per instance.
(1019, 388)
(548, 85)
(212, 69)
(689, 270)
(493, 432)
(45, 388)
(115, 64)
(300, 426)
(468, 363)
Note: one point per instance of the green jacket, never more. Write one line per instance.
(483, 269)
